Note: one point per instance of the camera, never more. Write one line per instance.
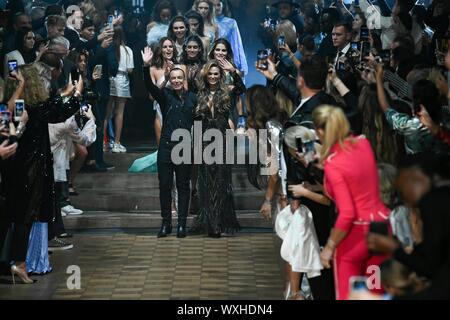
(80, 117)
(262, 59)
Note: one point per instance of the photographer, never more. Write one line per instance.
(31, 171)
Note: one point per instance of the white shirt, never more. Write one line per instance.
(126, 59)
(302, 102)
(343, 51)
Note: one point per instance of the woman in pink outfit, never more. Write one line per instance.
(351, 180)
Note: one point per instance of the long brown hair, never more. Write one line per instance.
(221, 99)
(119, 41)
(335, 125)
(262, 107)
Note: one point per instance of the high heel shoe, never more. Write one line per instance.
(23, 276)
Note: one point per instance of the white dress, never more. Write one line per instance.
(300, 246)
(120, 84)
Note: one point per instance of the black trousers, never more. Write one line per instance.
(56, 227)
(102, 105)
(166, 171)
(322, 287)
(20, 238)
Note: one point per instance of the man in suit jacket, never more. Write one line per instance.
(307, 93)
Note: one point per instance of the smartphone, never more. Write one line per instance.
(74, 74)
(84, 107)
(364, 34)
(299, 144)
(379, 227)
(98, 69)
(281, 41)
(365, 49)
(12, 66)
(18, 109)
(355, 46)
(5, 119)
(385, 56)
(262, 60)
(358, 283)
(429, 32)
(340, 66)
(110, 21)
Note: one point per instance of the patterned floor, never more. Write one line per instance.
(135, 266)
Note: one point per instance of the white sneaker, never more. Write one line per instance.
(118, 148)
(70, 210)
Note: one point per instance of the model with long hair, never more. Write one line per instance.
(216, 215)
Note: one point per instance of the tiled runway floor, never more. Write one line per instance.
(139, 266)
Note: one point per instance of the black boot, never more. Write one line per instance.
(181, 232)
(166, 229)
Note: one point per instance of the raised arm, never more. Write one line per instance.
(156, 92)
(381, 93)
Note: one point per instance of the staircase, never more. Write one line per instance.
(118, 199)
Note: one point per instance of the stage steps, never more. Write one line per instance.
(118, 199)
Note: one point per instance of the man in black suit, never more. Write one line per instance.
(327, 20)
(307, 94)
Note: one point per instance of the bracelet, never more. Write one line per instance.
(331, 243)
(268, 202)
(77, 94)
(20, 129)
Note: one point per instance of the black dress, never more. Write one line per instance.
(28, 178)
(216, 214)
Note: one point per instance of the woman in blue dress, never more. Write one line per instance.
(228, 29)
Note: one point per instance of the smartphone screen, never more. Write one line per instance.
(110, 21)
(355, 46)
(12, 65)
(5, 118)
(262, 60)
(364, 34)
(18, 109)
(281, 41)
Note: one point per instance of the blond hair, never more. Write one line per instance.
(287, 29)
(34, 92)
(335, 125)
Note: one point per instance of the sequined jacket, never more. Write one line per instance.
(29, 180)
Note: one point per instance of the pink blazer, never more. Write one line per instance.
(351, 180)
